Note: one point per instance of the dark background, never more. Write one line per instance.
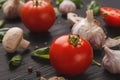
(60, 27)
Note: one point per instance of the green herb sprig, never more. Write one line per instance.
(95, 6)
(16, 60)
(41, 53)
(2, 2)
(2, 33)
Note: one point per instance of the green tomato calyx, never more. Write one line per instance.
(36, 3)
(74, 40)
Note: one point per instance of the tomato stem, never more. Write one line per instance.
(35, 2)
(74, 40)
(105, 14)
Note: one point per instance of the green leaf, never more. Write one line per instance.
(2, 33)
(78, 3)
(96, 63)
(41, 53)
(2, 2)
(4, 29)
(2, 22)
(56, 11)
(118, 37)
(95, 6)
(45, 56)
(16, 60)
(1, 36)
(24, 1)
(59, 2)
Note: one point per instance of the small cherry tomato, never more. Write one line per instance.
(38, 15)
(71, 54)
(111, 16)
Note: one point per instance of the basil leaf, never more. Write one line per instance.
(78, 3)
(2, 2)
(96, 62)
(41, 53)
(1, 36)
(95, 6)
(16, 60)
(56, 11)
(24, 1)
(2, 23)
(2, 33)
(118, 37)
(4, 29)
(59, 2)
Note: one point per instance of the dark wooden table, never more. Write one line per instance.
(60, 27)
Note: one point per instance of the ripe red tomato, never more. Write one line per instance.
(38, 15)
(111, 16)
(71, 55)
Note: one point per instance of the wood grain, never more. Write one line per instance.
(60, 27)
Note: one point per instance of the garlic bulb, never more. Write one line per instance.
(111, 60)
(11, 8)
(89, 30)
(67, 6)
(73, 18)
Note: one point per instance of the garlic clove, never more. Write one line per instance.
(11, 8)
(111, 60)
(67, 6)
(111, 42)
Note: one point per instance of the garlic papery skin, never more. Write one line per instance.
(89, 30)
(11, 8)
(111, 60)
(110, 42)
(67, 6)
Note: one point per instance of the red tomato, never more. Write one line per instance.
(111, 16)
(38, 17)
(70, 59)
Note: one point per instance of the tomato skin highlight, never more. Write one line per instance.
(38, 18)
(111, 16)
(68, 59)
